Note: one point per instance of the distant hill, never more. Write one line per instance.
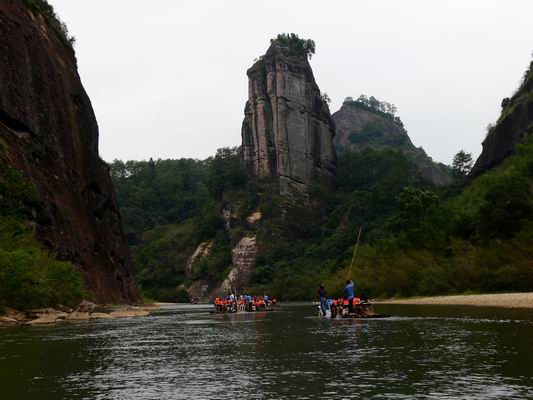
(362, 125)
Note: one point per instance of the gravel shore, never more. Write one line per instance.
(505, 300)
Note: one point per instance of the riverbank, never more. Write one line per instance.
(503, 300)
(86, 311)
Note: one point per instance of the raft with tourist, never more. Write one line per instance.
(341, 308)
(347, 305)
(244, 303)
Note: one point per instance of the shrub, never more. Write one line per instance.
(29, 275)
(296, 44)
(43, 8)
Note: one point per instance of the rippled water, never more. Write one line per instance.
(183, 352)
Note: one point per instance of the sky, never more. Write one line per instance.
(167, 78)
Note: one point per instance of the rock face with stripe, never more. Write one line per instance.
(48, 131)
(287, 133)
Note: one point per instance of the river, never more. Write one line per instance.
(184, 352)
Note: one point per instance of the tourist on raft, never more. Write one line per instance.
(323, 300)
(350, 295)
(236, 303)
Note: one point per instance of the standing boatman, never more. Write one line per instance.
(323, 300)
(350, 295)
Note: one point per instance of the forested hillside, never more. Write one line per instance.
(169, 207)
(416, 239)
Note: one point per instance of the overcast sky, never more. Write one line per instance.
(167, 78)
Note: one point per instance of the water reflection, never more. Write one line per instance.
(184, 352)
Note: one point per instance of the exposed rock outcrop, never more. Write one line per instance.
(49, 132)
(201, 251)
(243, 257)
(254, 219)
(514, 123)
(86, 307)
(79, 316)
(287, 133)
(46, 316)
(360, 128)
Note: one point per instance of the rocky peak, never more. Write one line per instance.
(360, 127)
(287, 132)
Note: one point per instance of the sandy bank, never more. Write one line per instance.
(505, 300)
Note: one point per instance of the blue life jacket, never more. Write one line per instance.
(348, 291)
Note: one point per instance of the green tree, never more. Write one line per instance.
(415, 215)
(226, 170)
(462, 162)
(506, 205)
(302, 46)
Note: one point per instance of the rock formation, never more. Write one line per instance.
(514, 123)
(243, 258)
(287, 133)
(49, 132)
(359, 128)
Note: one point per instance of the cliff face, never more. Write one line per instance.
(49, 132)
(359, 128)
(287, 133)
(515, 121)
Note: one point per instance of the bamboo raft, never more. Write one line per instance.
(241, 308)
(362, 310)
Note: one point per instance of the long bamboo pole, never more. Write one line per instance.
(355, 251)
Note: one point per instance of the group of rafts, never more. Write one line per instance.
(244, 303)
(339, 308)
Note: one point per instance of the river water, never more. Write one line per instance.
(184, 352)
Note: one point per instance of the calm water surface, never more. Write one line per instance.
(183, 352)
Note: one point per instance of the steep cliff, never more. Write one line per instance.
(359, 127)
(49, 132)
(516, 120)
(287, 133)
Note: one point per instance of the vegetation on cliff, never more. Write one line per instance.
(297, 45)
(30, 276)
(384, 108)
(44, 9)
